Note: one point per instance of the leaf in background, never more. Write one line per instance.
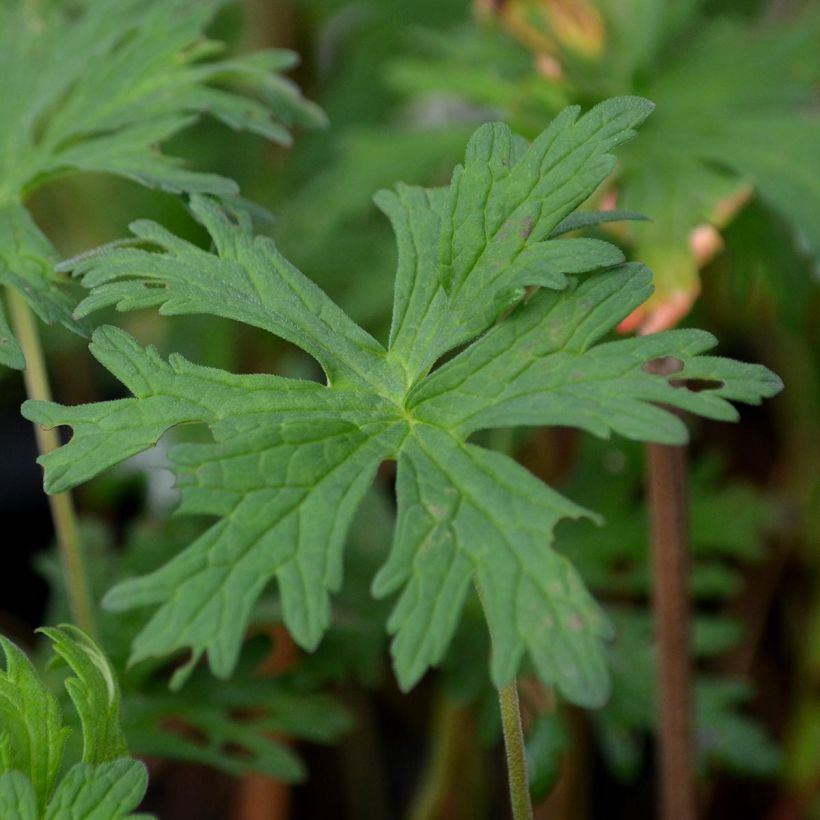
(235, 725)
(737, 115)
(726, 737)
(99, 90)
(106, 785)
(547, 743)
(614, 559)
(291, 460)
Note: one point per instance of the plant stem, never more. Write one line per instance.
(62, 506)
(516, 752)
(670, 560)
(514, 747)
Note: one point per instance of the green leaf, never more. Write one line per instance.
(290, 460)
(98, 90)
(108, 791)
(32, 735)
(547, 743)
(17, 798)
(447, 535)
(261, 288)
(507, 199)
(94, 692)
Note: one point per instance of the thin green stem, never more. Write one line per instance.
(62, 506)
(516, 752)
(514, 747)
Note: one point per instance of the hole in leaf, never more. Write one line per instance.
(665, 366)
(697, 385)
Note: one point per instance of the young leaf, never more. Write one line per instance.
(106, 785)
(94, 692)
(98, 90)
(291, 460)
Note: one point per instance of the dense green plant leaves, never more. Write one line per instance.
(98, 88)
(291, 460)
(106, 785)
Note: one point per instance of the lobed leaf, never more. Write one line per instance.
(291, 460)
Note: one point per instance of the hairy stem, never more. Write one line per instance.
(516, 752)
(514, 747)
(62, 506)
(670, 560)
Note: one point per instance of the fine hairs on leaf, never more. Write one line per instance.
(106, 784)
(98, 88)
(483, 275)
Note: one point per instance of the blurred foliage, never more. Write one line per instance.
(231, 725)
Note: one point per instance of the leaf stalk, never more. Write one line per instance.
(63, 513)
(516, 752)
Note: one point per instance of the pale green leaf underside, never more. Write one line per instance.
(291, 460)
(100, 91)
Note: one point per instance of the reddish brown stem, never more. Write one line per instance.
(670, 565)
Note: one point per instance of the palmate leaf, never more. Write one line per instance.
(106, 784)
(98, 89)
(291, 460)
